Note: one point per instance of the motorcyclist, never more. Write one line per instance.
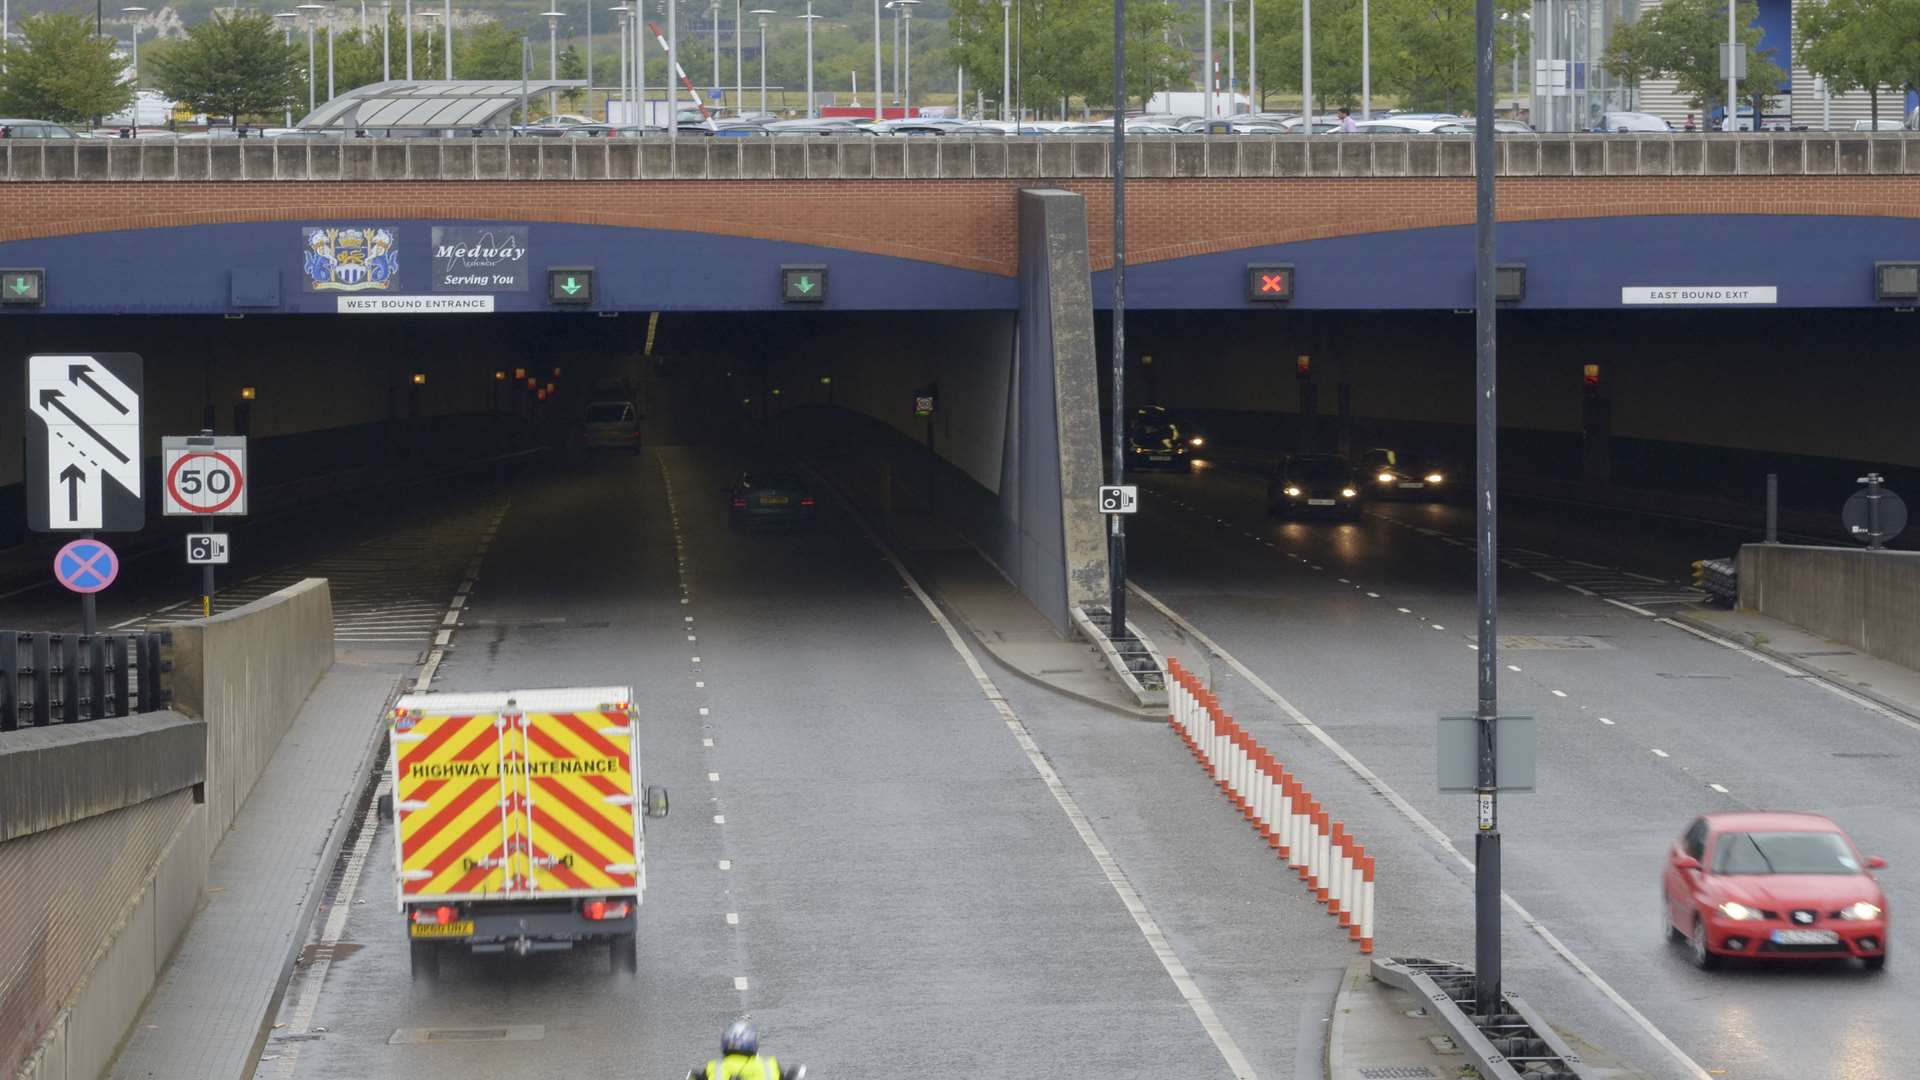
(740, 1059)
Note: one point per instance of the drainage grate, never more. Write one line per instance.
(1557, 642)
(1397, 1072)
(506, 1033)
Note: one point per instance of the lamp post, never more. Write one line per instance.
(310, 9)
(877, 99)
(1366, 63)
(286, 38)
(763, 13)
(386, 42)
(429, 14)
(1006, 59)
(906, 31)
(893, 7)
(553, 60)
(714, 8)
(329, 56)
(620, 16)
(1306, 69)
(407, 18)
(810, 17)
(740, 61)
(673, 69)
(589, 6)
(132, 14)
(446, 28)
(1206, 71)
(1232, 58)
(1253, 59)
(637, 62)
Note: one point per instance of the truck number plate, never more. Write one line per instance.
(463, 928)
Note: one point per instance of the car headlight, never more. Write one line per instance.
(1385, 478)
(1434, 478)
(1733, 909)
(1348, 493)
(1197, 440)
(1292, 492)
(1860, 910)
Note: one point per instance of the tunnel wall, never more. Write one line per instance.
(1865, 599)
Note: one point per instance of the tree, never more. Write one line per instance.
(233, 65)
(1428, 60)
(1681, 39)
(1066, 49)
(488, 51)
(58, 70)
(1855, 45)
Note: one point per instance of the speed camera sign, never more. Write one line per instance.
(205, 475)
(1119, 498)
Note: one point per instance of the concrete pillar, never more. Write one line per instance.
(1053, 541)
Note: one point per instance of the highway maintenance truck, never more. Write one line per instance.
(517, 822)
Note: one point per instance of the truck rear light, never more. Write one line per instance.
(440, 916)
(739, 503)
(806, 500)
(598, 910)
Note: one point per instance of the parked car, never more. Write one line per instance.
(1313, 483)
(1630, 121)
(1390, 474)
(34, 129)
(1885, 125)
(1773, 886)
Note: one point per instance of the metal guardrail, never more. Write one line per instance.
(50, 678)
(1514, 1044)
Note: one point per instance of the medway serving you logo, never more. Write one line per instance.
(491, 259)
(351, 258)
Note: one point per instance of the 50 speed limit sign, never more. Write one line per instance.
(204, 475)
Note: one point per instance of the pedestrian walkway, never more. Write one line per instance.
(207, 1017)
(1882, 681)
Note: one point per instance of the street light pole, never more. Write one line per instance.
(1306, 68)
(673, 69)
(446, 31)
(620, 16)
(1117, 530)
(553, 60)
(810, 17)
(1253, 59)
(739, 61)
(329, 55)
(763, 13)
(386, 42)
(1486, 848)
(877, 113)
(1366, 61)
(714, 7)
(311, 100)
(407, 17)
(286, 38)
(132, 14)
(1233, 76)
(1006, 59)
(1733, 81)
(894, 6)
(906, 56)
(1206, 61)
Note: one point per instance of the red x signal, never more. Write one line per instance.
(1273, 283)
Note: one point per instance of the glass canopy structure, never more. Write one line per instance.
(458, 104)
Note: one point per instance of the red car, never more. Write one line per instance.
(1764, 884)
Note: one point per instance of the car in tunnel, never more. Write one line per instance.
(1154, 441)
(770, 498)
(1392, 474)
(1772, 886)
(1314, 484)
(611, 425)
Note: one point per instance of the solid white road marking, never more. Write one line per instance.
(1437, 626)
(699, 684)
(1831, 688)
(1420, 822)
(1630, 607)
(1116, 878)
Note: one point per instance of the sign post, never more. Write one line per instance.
(206, 477)
(83, 462)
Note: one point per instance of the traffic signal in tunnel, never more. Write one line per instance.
(1269, 282)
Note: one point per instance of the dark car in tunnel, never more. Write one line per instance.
(1394, 474)
(770, 499)
(1314, 483)
(1154, 441)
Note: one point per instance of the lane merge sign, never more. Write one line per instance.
(206, 549)
(86, 566)
(1119, 499)
(205, 475)
(83, 443)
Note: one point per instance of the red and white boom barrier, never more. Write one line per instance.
(1280, 808)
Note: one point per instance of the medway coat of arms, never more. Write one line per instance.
(351, 258)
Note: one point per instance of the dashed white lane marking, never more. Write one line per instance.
(703, 710)
(1373, 596)
(696, 659)
(1513, 667)
(713, 778)
(1437, 626)
(1721, 788)
(726, 864)
(690, 637)
(1404, 611)
(1689, 1066)
(699, 684)
(708, 743)
(1116, 878)
(739, 982)
(1836, 690)
(733, 918)
(1606, 721)
(1657, 752)
(719, 819)
(1559, 693)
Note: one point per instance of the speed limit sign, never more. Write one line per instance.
(204, 475)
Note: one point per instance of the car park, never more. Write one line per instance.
(1631, 122)
(34, 129)
(1313, 483)
(1774, 886)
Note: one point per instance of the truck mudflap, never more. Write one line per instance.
(507, 804)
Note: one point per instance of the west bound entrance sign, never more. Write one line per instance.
(485, 259)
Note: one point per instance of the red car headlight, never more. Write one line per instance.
(1860, 910)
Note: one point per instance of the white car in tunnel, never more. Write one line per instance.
(611, 425)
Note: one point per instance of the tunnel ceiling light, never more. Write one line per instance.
(519, 373)
(826, 380)
(556, 372)
(1510, 283)
(1303, 366)
(247, 393)
(419, 378)
(1590, 375)
(499, 376)
(1896, 280)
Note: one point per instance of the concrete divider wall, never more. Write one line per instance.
(246, 672)
(106, 829)
(1866, 599)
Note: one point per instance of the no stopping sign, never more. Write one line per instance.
(205, 476)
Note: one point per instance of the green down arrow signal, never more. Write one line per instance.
(571, 286)
(21, 286)
(804, 284)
